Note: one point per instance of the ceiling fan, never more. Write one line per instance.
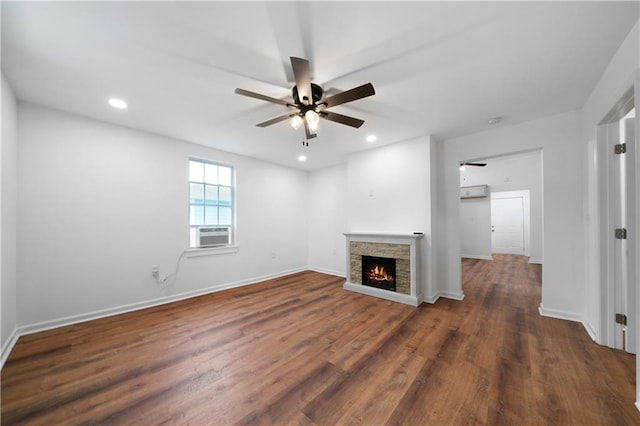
(308, 103)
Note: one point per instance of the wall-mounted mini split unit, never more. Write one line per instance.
(213, 236)
(477, 191)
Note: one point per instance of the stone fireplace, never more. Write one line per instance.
(385, 265)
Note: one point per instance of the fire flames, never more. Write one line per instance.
(379, 274)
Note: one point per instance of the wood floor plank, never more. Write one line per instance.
(301, 350)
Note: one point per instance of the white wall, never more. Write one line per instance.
(388, 188)
(617, 78)
(328, 219)
(510, 173)
(559, 137)
(8, 179)
(99, 204)
(389, 191)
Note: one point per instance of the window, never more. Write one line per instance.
(211, 197)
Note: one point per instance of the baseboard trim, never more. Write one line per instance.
(8, 346)
(536, 261)
(637, 404)
(473, 256)
(445, 294)
(590, 330)
(569, 316)
(89, 316)
(327, 271)
(564, 315)
(432, 299)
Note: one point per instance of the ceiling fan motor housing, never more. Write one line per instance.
(316, 94)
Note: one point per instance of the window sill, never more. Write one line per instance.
(211, 251)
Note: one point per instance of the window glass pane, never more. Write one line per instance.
(211, 195)
(196, 193)
(196, 215)
(225, 175)
(225, 216)
(210, 173)
(211, 215)
(225, 196)
(196, 171)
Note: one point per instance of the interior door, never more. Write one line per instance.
(507, 225)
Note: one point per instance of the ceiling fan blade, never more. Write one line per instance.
(302, 75)
(350, 95)
(342, 119)
(263, 97)
(308, 132)
(274, 120)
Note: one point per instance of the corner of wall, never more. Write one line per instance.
(8, 199)
(7, 346)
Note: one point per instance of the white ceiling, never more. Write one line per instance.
(440, 68)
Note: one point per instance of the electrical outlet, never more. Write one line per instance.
(155, 271)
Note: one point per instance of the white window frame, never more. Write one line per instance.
(192, 228)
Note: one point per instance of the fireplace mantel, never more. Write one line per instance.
(408, 248)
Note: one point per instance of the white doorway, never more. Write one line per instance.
(617, 211)
(510, 222)
(505, 176)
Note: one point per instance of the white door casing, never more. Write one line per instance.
(617, 210)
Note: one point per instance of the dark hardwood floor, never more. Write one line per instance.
(300, 350)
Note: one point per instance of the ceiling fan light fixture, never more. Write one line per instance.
(312, 118)
(296, 121)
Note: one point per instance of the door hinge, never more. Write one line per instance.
(621, 234)
(620, 148)
(621, 319)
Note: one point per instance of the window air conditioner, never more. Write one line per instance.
(212, 237)
(477, 191)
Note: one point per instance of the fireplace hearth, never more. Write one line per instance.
(379, 272)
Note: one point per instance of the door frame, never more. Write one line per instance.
(525, 195)
(607, 136)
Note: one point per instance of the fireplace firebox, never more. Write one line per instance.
(379, 272)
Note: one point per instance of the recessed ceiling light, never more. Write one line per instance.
(302, 158)
(371, 138)
(118, 103)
